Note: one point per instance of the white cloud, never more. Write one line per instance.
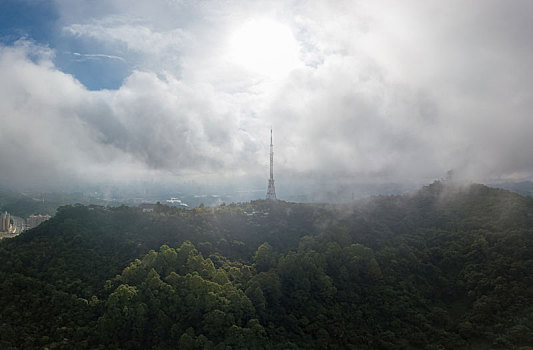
(55, 129)
(158, 50)
(382, 92)
(98, 56)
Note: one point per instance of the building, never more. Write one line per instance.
(147, 207)
(5, 223)
(35, 220)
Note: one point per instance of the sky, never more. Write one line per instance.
(178, 90)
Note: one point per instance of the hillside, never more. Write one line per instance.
(447, 267)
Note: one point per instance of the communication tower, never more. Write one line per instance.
(271, 193)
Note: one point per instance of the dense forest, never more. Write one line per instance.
(447, 267)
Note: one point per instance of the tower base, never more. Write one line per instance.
(271, 193)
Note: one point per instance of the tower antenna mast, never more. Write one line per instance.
(271, 192)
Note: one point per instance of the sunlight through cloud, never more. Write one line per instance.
(264, 47)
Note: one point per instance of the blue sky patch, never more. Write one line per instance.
(35, 20)
(38, 21)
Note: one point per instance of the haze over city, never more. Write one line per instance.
(180, 92)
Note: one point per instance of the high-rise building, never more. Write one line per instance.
(6, 222)
(271, 192)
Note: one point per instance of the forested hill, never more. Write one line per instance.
(447, 267)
